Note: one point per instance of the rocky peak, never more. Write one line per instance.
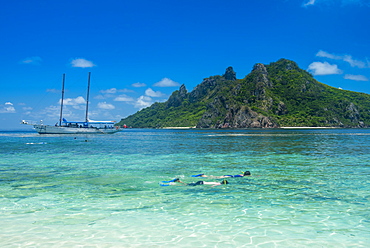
(202, 89)
(261, 79)
(261, 68)
(287, 64)
(177, 97)
(183, 91)
(230, 74)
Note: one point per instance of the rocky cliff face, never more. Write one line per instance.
(245, 117)
(221, 113)
(230, 74)
(177, 97)
(202, 89)
(274, 95)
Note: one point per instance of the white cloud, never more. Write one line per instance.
(319, 68)
(109, 91)
(125, 90)
(7, 108)
(353, 62)
(52, 112)
(346, 58)
(310, 2)
(99, 97)
(143, 102)
(82, 63)
(123, 98)
(152, 93)
(166, 82)
(343, 3)
(356, 77)
(32, 60)
(324, 54)
(138, 85)
(73, 101)
(104, 105)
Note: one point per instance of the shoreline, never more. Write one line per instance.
(256, 128)
(309, 127)
(178, 128)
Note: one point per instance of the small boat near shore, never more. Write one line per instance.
(76, 127)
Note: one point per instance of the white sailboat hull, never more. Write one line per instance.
(47, 129)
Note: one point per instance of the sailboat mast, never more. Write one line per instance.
(61, 103)
(87, 98)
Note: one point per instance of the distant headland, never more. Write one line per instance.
(278, 95)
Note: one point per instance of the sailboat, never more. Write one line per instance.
(76, 127)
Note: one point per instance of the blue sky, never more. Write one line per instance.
(139, 52)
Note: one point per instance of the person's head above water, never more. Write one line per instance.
(224, 181)
(247, 173)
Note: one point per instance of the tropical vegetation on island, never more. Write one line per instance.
(271, 96)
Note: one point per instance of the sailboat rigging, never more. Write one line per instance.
(61, 103)
(76, 127)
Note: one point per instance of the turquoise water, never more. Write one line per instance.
(309, 188)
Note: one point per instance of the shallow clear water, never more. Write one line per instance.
(309, 188)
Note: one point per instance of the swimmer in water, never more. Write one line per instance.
(246, 173)
(177, 180)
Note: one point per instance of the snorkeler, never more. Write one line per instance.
(202, 182)
(177, 180)
(246, 173)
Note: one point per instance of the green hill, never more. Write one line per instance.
(271, 96)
